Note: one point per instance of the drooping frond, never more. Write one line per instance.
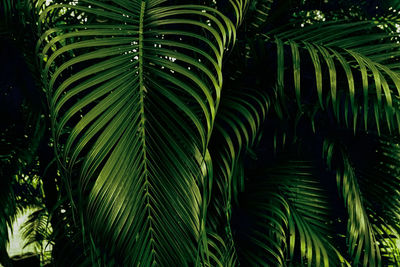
(311, 217)
(366, 62)
(380, 167)
(264, 214)
(236, 10)
(7, 8)
(287, 215)
(375, 169)
(362, 244)
(238, 122)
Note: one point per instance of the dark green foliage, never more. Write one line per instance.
(209, 133)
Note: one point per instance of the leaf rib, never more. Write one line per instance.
(142, 92)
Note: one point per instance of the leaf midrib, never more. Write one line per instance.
(142, 91)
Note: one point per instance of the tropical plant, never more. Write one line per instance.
(206, 133)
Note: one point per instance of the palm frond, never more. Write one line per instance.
(133, 98)
(378, 166)
(290, 222)
(7, 10)
(236, 10)
(362, 244)
(238, 122)
(240, 118)
(262, 239)
(311, 217)
(345, 51)
(259, 13)
(37, 231)
(220, 253)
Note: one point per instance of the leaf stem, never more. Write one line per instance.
(142, 92)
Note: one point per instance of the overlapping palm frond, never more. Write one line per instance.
(312, 217)
(260, 230)
(372, 85)
(367, 184)
(236, 10)
(219, 253)
(343, 50)
(286, 207)
(237, 127)
(133, 96)
(362, 244)
(370, 70)
(379, 166)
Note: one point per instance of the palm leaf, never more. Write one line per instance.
(344, 49)
(236, 10)
(288, 211)
(259, 13)
(133, 99)
(310, 215)
(238, 122)
(362, 244)
(378, 166)
(262, 241)
(37, 231)
(220, 253)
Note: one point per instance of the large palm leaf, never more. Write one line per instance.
(133, 96)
